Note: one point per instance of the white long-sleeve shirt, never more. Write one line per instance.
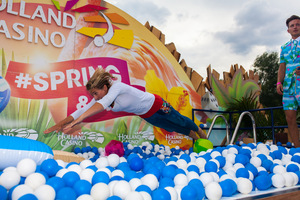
(126, 98)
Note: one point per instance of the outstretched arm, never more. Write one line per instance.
(59, 126)
(94, 109)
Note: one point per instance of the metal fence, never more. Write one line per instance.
(230, 113)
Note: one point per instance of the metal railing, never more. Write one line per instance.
(230, 113)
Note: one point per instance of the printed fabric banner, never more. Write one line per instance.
(50, 49)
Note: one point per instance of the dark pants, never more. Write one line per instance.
(172, 121)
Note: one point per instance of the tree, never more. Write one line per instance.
(266, 65)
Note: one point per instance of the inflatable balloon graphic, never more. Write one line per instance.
(4, 93)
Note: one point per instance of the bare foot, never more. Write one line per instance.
(193, 135)
(201, 134)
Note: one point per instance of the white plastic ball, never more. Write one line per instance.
(10, 169)
(35, 180)
(101, 162)
(118, 172)
(75, 168)
(215, 176)
(200, 162)
(233, 150)
(244, 185)
(213, 191)
(181, 164)
(206, 178)
(230, 157)
(122, 159)
(286, 159)
(100, 191)
(279, 169)
(9, 179)
(181, 179)
(26, 166)
(173, 193)
(192, 175)
(150, 180)
(87, 174)
(227, 166)
(215, 154)
(45, 192)
(134, 196)
(134, 183)
(85, 163)
(147, 196)
(231, 172)
(61, 172)
(237, 166)
(122, 189)
(289, 179)
(216, 161)
(106, 170)
(256, 161)
(295, 178)
(61, 163)
(111, 186)
(224, 152)
(85, 197)
(21, 190)
(113, 160)
(278, 181)
(277, 161)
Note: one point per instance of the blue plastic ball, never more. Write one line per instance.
(144, 188)
(153, 170)
(289, 144)
(129, 174)
(136, 164)
(169, 171)
(292, 168)
(50, 166)
(277, 154)
(56, 182)
(100, 177)
(70, 178)
(267, 164)
(193, 168)
(296, 159)
(166, 182)
(242, 173)
(114, 198)
(198, 185)
(28, 197)
(77, 150)
(241, 158)
(211, 166)
(229, 187)
(263, 182)
(221, 160)
(262, 157)
(66, 193)
(161, 194)
(82, 187)
(188, 192)
(279, 144)
(3, 193)
(252, 169)
(185, 157)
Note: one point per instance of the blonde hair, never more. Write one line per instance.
(99, 79)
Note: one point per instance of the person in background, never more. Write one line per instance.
(118, 96)
(288, 83)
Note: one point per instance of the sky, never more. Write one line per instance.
(219, 33)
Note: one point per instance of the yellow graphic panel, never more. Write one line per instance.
(122, 38)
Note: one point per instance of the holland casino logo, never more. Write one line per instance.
(112, 34)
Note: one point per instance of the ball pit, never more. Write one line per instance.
(142, 173)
